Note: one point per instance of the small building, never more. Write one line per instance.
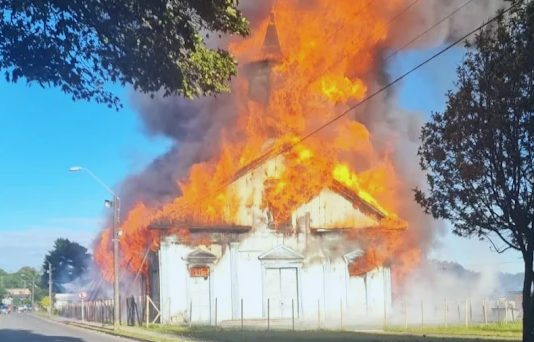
(19, 293)
(62, 300)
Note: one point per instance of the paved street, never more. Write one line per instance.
(28, 328)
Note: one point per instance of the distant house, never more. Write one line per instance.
(19, 293)
(64, 299)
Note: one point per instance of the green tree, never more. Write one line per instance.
(39, 293)
(81, 45)
(3, 293)
(69, 260)
(479, 153)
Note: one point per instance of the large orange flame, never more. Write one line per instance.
(325, 50)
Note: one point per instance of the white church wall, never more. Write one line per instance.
(250, 283)
(313, 292)
(356, 297)
(376, 292)
(173, 284)
(222, 288)
(324, 289)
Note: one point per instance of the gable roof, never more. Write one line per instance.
(339, 188)
(334, 185)
(200, 255)
(281, 252)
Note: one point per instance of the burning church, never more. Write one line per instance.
(287, 201)
(273, 248)
(277, 261)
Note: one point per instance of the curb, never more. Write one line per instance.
(106, 331)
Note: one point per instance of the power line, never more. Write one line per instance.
(288, 147)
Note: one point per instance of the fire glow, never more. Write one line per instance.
(319, 57)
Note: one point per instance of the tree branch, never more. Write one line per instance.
(495, 248)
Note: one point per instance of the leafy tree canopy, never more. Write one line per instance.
(479, 153)
(23, 278)
(82, 45)
(69, 260)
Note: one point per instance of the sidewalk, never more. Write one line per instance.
(135, 333)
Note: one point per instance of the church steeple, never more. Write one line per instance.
(271, 44)
(259, 72)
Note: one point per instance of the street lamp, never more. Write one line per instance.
(115, 205)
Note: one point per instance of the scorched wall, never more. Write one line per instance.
(271, 275)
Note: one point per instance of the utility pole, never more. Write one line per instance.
(116, 297)
(50, 289)
(33, 291)
(116, 221)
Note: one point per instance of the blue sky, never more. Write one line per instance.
(43, 133)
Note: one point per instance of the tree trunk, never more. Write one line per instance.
(528, 308)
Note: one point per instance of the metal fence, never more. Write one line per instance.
(142, 310)
(133, 311)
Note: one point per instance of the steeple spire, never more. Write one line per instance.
(271, 44)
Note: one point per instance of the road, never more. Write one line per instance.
(28, 328)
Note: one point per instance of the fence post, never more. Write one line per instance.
(446, 312)
(83, 313)
(103, 312)
(215, 312)
(293, 313)
(318, 314)
(485, 310)
(147, 308)
(470, 311)
(506, 311)
(405, 314)
(422, 316)
(241, 313)
(341, 312)
(385, 314)
(459, 314)
(466, 314)
(190, 313)
(268, 313)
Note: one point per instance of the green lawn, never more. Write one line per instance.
(228, 335)
(495, 329)
(166, 333)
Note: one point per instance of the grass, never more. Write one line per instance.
(494, 329)
(231, 335)
(171, 333)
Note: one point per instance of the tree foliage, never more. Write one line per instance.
(69, 261)
(82, 45)
(479, 153)
(23, 278)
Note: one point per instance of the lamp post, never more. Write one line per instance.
(115, 205)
